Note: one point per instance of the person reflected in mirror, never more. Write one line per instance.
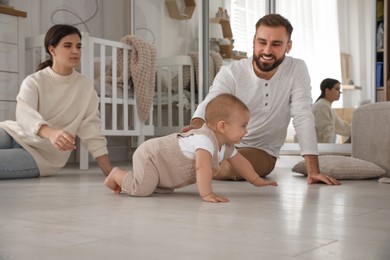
(163, 164)
(54, 105)
(275, 87)
(327, 123)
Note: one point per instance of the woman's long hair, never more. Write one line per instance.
(326, 84)
(53, 37)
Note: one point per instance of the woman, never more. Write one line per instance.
(327, 123)
(54, 105)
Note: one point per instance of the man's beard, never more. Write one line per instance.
(266, 67)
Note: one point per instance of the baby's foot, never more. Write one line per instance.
(110, 180)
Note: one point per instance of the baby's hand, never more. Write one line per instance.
(212, 197)
(259, 182)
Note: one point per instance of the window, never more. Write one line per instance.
(243, 17)
(315, 36)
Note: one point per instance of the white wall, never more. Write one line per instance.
(110, 20)
(356, 23)
(176, 37)
(171, 37)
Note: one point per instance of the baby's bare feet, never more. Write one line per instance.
(111, 180)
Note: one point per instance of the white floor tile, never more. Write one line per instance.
(74, 216)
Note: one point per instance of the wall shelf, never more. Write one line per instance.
(382, 54)
(173, 9)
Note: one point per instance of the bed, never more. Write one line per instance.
(174, 98)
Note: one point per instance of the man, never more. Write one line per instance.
(275, 88)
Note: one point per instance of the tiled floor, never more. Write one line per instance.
(73, 216)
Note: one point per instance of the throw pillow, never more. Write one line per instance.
(343, 168)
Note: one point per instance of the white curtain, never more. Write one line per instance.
(315, 37)
(243, 17)
(357, 25)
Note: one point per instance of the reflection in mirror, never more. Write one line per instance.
(336, 39)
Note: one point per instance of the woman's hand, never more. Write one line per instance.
(60, 139)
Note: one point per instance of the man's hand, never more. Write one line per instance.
(188, 128)
(195, 123)
(315, 178)
(313, 172)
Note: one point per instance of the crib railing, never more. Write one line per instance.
(173, 107)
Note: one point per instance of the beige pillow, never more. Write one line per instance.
(343, 168)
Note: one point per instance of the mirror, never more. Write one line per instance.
(337, 40)
(342, 48)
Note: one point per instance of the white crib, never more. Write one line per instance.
(176, 101)
(174, 98)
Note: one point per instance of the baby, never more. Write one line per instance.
(166, 163)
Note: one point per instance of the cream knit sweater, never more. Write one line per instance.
(67, 103)
(327, 123)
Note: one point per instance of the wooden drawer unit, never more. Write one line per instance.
(7, 110)
(9, 57)
(7, 82)
(12, 54)
(8, 29)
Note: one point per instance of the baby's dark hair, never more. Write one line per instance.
(53, 37)
(222, 106)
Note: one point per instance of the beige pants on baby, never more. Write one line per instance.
(159, 166)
